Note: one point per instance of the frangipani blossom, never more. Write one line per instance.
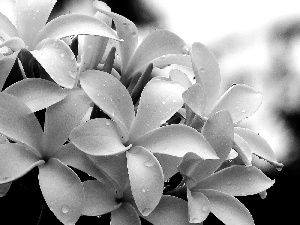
(31, 29)
(138, 135)
(211, 191)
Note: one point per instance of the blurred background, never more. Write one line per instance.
(257, 43)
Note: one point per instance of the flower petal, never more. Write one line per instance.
(243, 149)
(99, 198)
(195, 98)
(4, 188)
(98, 137)
(180, 77)
(170, 59)
(146, 179)
(168, 164)
(6, 64)
(32, 15)
(170, 211)
(228, 209)
(240, 100)
(156, 44)
(125, 215)
(62, 190)
(159, 101)
(36, 93)
(62, 117)
(7, 26)
(198, 206)
(16, 161)
(72, 25)
(207, 73)
(58, 60)
(176, 140)
(111, 96)
(237, 181)
(19, 123)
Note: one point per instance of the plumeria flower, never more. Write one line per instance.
(32, 33)
(211, 191)
(240, 100)
(138, 135)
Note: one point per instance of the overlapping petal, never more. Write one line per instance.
(198, 205)
(176, 140)
(19, 123)
(36, 93)
(6, 64)
(240, 100)
(243, 149)
(159, 101)
(99, 198)
(237, 180)
(228, 209)
(15, 161)
(195, 98)
(146, 179)
(7, 27)
(62, 190)
(125, 215)
(180, 77)
(58, 60)
(110, 96)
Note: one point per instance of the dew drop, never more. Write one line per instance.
(174, 100)
(144, 190)
(202, 70)
(146, 211)
(37, 11)
(125, 24)
(62, 55)
(195, 220)
(185, 50)
(133, 33)
(163, 58)
(149, 163)
(243, 110)
(163, 102)
(204, 208)
(107, 123)
(64, 209)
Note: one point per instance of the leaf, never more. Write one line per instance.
(32, 15)
(237, 180)
(72, 25)
(16, 161)
(99, 198)
(62, 117)
(111, 96)
(243, 149)
(195, 98)
(176, 140)
(240, 100)
(7, 26)
(125, 215)
(19, 123)
(146, 179)
(36, 93)
(207, 73)
(198, 206)
(228, 209)
(170, 211)
(58, 60)
(159, 101)
(6, 64)
(62, 191)
(98, 137)
(156, 44)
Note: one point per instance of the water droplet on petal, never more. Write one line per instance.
(149, 163)
(185, 50)
(144, 189)
(133, 33)
(62, 55)
(163, 102)
(146, 211)
(202, 70)
(107, 123)
(195, 220)
(37, 11)
(243, 110)
(64, 209)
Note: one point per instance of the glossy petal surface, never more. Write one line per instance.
(207, 72)
(228, 209)
(198, 206)
(125, 215)
(7, 26)
(18, 122)
(34, 13)
(240, 100)
(6, 64)
(111, 96)
(180, 77)
(99, 198)
(58, 60)
(177, 140)
(72, 25)
(178, 59)
(146, 179)
(98, 137)
(62, 191)
(159, 101)
(36, 93)
(243, 149)
(237, 181)
(195, 98)
(16, 161)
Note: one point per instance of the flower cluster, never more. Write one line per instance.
(109, 116)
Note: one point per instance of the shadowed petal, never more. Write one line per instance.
(32, 15)
(240, 100)
(18, 122)
(237, 181)
(72, 25)
(7, 26)
(4, 188)
(198, 206)
(146, 179)
(98, 137)
(228, 209)
(36, 93)
(58, 60)
(159, 101)
(195, 98)
(111, 96)
(243, 150)
(176, 140)
(99, 198)
(168, 164)
(125, 215)
(62, 190)
(16, 161)
(178, 59)
(6, 64)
